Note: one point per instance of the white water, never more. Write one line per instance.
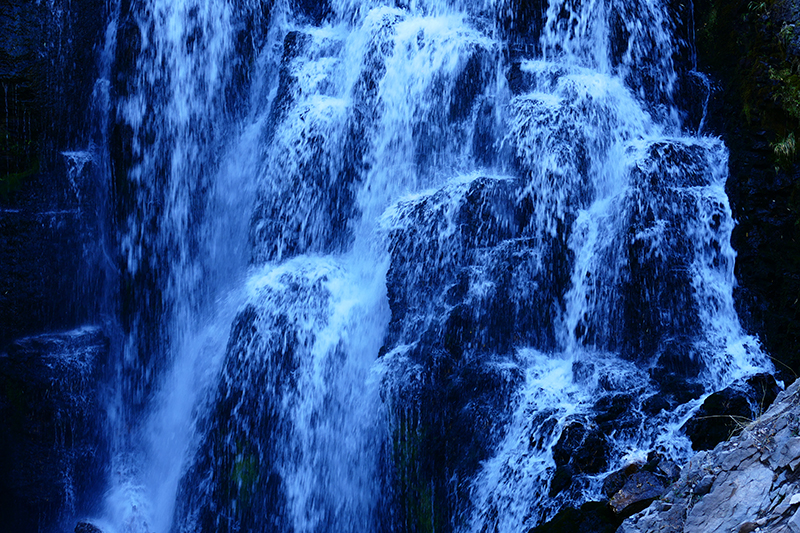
(311, 185)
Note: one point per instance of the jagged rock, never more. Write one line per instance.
(614, 482)
(581, 449)
(746, 484)
(735, 498)
(638, 492)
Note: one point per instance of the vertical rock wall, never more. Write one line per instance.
(49, 207)
(752, 52)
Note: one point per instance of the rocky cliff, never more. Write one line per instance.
(751, 50)
(748, 483)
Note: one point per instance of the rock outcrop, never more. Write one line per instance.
(51, 456)
(53, 208)
(748, 483)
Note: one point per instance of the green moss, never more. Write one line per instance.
(787, 92)
(244, 474)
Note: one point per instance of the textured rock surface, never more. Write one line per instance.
(724, 412)
(750, 483)
(50, 453)
(51, 207)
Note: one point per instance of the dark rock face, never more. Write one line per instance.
(51, 453)
(591, 517)
(455, 330)
(729, 410)
(235, 481)
(749, 49)
(638, 492)
(51, 214)
(580, 449)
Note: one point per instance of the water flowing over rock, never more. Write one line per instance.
(50, 418)
(748, 483)
(420, 265)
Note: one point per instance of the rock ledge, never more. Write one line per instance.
(749, 483)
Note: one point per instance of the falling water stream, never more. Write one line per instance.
(378, 257)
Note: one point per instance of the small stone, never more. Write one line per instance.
(747, 527)
(704, 485)
(639, 491)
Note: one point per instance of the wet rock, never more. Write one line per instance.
(87, 527)
(315, 11)
(614, 412)
(582, 448)
(740, 485)
(235, 472)
(50, 419)
(591, 517)
(728, 410)
(614, 482)
(638, 492)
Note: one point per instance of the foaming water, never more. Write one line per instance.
(382, 264)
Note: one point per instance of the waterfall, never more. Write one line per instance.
(419, 265)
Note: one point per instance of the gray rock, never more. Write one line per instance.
(794, 522)
(734, 500)
(743, 485)
(639, 491)
(704, 485)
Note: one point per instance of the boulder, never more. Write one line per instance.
(614, 482)
(638, 492)
(582, 448)
(591, 517)
(730, 409)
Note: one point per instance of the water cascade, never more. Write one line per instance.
(419, 265)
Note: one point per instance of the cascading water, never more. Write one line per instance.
(469, 268)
